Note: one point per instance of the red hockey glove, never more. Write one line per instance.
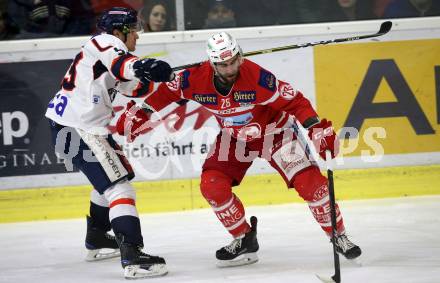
(130, 122)
(324, 138)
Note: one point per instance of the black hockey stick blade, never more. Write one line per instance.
(385, 27)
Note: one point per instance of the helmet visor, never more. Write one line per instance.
(137, 27)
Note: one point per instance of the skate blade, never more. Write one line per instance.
(136, 272)
(101, 254)
(243, 259)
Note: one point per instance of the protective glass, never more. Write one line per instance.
(137, 27)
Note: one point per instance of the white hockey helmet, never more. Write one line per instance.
(221, 47)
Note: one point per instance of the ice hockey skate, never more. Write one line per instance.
(240, 251)
(137, 264)
(100, 244)
(346, 248)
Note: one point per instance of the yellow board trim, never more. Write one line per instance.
(180, 195)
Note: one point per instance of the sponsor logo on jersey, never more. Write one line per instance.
(210, 98)
(96, 99)
(245, 96)
(227, 111)
(267, 80)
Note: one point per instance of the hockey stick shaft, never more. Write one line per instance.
(331, 189)
(309, 150)
(385, 27)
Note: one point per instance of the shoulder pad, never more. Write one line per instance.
(267, 80)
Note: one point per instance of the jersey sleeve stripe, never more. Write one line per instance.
(273, 97)
(118, 66)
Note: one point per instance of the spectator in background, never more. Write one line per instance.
(82, 21)
(195, 14)
(8, 29)
(258, 12)
(412, 8)
(41, 18)
(348, 10)
(99, 6)
(379, 7)
(220, 15)
(155, 16)
(299, 11)
(3, 5)
(201, 14)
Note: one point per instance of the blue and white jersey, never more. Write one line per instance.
(102, 68)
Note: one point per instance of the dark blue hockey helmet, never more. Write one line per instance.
(120, 18)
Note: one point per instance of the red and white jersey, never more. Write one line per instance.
(257, 104)
(102, 68)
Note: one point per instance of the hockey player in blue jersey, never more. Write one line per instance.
(79, 115)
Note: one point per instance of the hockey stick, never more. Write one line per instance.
(331, 189)
(336, 278)
(385, 27)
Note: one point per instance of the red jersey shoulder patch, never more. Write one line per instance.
(286, 91)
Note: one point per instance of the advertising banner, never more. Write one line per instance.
(383, 96)
(25, 90)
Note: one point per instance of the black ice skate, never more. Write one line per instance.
(100, 244)
(345, 247)
(240, 251)
(137, 264)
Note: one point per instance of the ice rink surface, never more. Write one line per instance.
(400, 239)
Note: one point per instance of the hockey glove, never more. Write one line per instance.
(153, 70)
(132, 122)
(324, 138)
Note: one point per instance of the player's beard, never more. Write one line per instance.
(228, 80)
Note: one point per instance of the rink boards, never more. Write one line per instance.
(386, 89)
(184, 194)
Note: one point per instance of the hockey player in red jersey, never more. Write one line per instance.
(255, 112)
(79, 116)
